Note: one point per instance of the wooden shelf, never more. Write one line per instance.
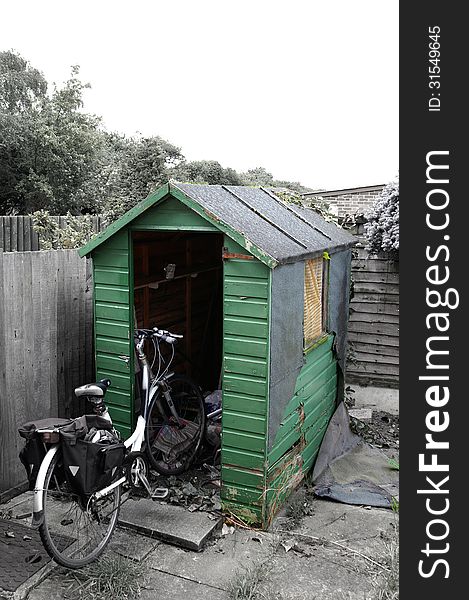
(182, 275)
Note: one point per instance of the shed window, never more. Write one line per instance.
(314, 300)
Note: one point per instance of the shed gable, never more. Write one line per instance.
(171, 214)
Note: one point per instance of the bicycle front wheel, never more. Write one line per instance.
(171, 447)
(75, 531)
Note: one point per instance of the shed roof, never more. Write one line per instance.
(255, 217)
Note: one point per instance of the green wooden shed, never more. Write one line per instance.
(259, 288)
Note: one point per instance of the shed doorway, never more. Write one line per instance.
(178, 286)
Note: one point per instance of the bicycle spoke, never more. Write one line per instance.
(75, 532)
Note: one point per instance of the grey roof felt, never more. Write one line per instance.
(286, 232)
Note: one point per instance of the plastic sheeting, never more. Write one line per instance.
(350, 471)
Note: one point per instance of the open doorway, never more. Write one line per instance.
(178, 286)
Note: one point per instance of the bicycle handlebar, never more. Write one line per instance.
(161, 334)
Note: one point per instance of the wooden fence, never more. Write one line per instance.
(17, 233)
(374, 321)
(45, 344)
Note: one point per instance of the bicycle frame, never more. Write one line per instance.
(133, 443)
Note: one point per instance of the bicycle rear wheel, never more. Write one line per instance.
(172, 448)
(74, 533)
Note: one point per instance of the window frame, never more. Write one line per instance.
(307, 347)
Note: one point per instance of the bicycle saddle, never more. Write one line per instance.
(97, 389)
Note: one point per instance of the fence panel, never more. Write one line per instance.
(45, 344)
(374, 321)
(17, 233)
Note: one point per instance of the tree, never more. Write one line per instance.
(382, 228)
(258, 176)
(21, 86)
(48, 145)
(56, 157)
(205, 171)
(134, 168)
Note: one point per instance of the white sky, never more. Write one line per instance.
(306, 88)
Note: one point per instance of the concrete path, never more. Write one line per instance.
(285, 564)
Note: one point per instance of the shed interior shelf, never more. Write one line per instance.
(184, 273)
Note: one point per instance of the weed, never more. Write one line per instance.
(111, 577)
(393, 464)
(251, 582)
(295, 509)
(386, 586)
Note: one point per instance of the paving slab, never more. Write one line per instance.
(219, 563)
(164, 586)
(323, 575)
(356, 527)
(47, 590)
(157, 585)
(20, 507)
(169, 523)
(131, 545)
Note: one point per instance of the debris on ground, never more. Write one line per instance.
(362, 414)
(196, 490)
(381, 432)
(380, 429)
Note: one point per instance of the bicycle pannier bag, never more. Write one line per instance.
(90, 465)
(34, 450)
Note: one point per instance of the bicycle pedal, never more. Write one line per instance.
(159, 493)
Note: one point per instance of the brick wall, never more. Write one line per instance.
(353, 203)
(349, 201)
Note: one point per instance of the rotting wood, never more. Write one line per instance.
(228, 255)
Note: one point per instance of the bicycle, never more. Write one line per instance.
(175, 422)
(76, 525)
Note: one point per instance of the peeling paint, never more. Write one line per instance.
(283, 480)
(301, 415)
(243, 513)
(210, 215)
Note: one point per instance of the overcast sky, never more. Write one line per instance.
(306, 88)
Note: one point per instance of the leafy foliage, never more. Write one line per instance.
(260, 176)
(205, 171)
(56, 157)
(77, 232)
(21, 86)
(382, 228)
(47, 144)
(132, 168)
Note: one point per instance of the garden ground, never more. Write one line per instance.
(314, 549)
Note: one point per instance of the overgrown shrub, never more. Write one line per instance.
(382, 228)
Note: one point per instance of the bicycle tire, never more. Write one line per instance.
(72, 533)
(189, 404)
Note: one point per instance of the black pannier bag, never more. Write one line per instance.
(90, 465)
(34, 450)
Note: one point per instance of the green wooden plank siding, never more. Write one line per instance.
(172, 215)
(246, 308)
(112, 298)
(305, 421)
